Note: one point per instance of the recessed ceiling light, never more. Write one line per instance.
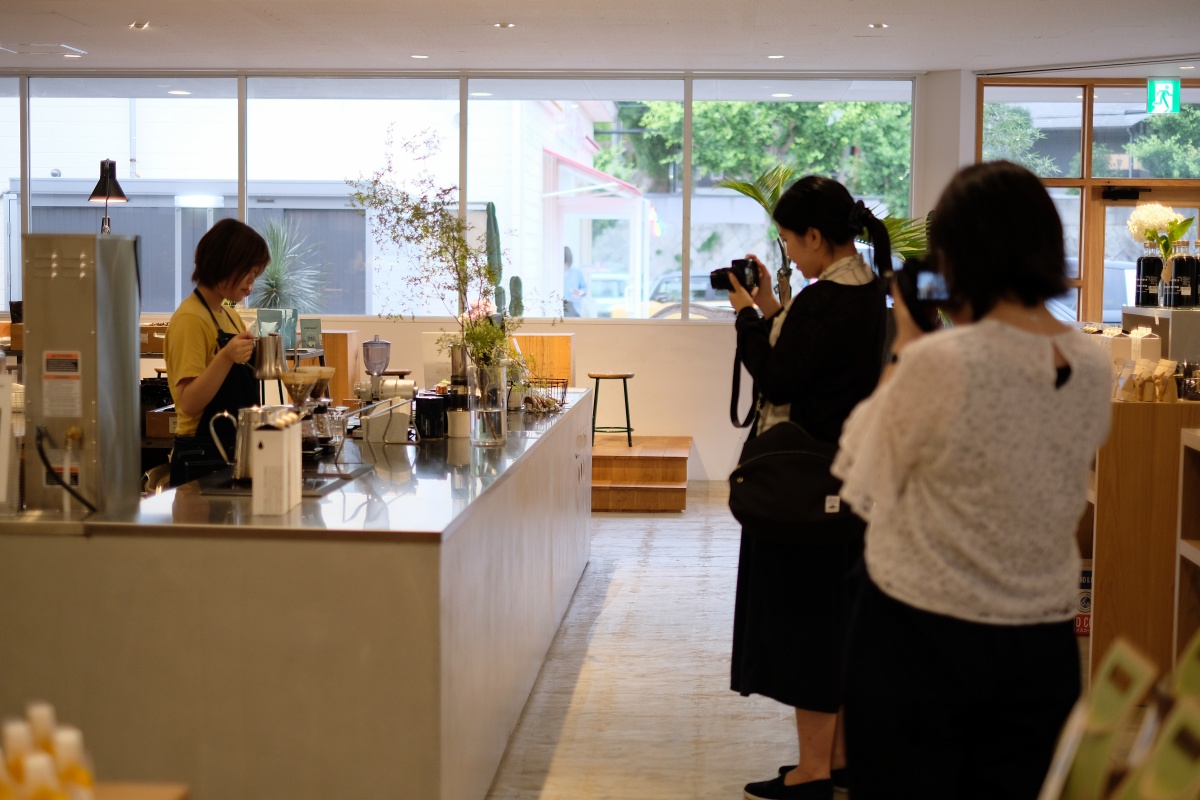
(420, 56)
(1187, 66)
(774, 56)
(481, 94)
(139, 26)
(179, 92)
(781, 94)
(505, 25)
(877, 25)
(72, 55)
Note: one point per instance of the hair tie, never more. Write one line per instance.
(860, 215)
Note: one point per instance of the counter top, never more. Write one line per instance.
(413, 492)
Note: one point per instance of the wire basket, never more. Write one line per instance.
(554, 388)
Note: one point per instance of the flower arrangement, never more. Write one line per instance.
(1159, 225)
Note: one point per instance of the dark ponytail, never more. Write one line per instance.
(822, 203)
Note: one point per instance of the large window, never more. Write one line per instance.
(576, 166)
(174, 142)
(307, 138)
(857, 132)
(1131, 156)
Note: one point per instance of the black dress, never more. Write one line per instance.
(793, 594)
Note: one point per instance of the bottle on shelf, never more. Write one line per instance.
(1149, 270)
(41, 723)
(74, 769)
(41, 782)
(1168, 287)
(17, 743)
(1185, 274)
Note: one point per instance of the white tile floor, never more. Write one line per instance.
(634, 700)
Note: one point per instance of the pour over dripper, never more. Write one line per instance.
(376, 355)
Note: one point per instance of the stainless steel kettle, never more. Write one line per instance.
(247, 420)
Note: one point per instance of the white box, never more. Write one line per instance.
(275, 474)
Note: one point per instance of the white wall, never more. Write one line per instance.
(943, 133)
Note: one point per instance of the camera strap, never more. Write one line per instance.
(737, 388)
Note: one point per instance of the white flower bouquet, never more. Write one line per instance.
(1153, 222)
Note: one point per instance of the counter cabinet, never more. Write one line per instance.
(1187, 563)
(334, 653)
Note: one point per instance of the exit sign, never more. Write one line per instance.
(1162, 96)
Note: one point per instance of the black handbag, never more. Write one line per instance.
(782, 480)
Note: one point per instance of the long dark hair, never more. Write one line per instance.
(824, 204)
(995, 234)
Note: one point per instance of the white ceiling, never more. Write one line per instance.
(829, 36)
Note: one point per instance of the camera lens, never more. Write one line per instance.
(719, 279)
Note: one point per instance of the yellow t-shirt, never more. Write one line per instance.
(189, 348)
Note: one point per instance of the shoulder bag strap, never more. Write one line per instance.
(737, 387)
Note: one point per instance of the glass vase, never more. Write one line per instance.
(487, 386)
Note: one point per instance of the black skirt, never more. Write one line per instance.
(791, 614)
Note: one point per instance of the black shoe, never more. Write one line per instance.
(776, 789)
(839, 776)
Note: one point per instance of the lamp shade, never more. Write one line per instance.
(107, 189)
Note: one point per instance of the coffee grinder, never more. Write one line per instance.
(376, 355)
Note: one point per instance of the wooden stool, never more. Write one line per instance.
(627, 429)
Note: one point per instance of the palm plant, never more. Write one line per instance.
(766, 190)
(292, 279)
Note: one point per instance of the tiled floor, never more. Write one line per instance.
(633, 700)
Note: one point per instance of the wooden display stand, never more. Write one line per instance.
(551, 355)
(1136, 523)
(342, 352)
(1187, 566)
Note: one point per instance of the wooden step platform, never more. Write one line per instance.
(650, 476)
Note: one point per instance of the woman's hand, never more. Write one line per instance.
(764, 298)
(240, 348)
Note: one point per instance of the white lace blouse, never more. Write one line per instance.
(971, 469)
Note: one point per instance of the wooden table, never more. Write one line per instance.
(141, 791)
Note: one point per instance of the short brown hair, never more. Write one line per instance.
(230, 249)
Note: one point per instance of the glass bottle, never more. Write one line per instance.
(1185, 274)
(1149, 270)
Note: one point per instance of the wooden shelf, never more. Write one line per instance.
(1187, 546)
(1137, 510)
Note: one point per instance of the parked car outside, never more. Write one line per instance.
(607, 289)
(666, 299)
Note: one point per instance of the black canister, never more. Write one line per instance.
(430, 415)
(1149, 271)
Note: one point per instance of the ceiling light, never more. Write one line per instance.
(781, 94)
(1187, 66)
(505, 25)
(139, 26)
(72, 55)
(481, 94)
(877, 25)
(774, 56)
(180, 92)
(420, 56)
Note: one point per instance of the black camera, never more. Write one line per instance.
(923, 290)
(744, 269)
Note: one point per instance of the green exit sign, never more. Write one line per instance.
(1162, 96)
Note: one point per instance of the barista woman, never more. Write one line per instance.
(208, 349)
(812, 361)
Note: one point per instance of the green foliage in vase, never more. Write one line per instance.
(293, 278)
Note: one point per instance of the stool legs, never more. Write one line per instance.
(628, 429)
(628, 425)
(595, 405)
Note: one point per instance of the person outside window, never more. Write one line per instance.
(970, 464)
(574, 286)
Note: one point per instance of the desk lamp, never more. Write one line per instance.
(107, 190)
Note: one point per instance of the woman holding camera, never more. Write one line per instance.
(208, 349)
(970, 464)
(812, 361)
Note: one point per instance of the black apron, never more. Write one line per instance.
(196, 456)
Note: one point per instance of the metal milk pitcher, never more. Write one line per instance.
(247, 420)
(268, 357)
